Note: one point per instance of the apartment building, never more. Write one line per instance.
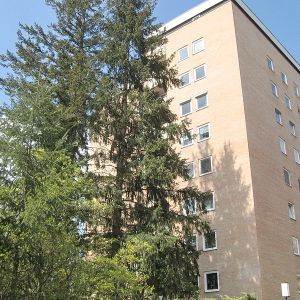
(240, 88)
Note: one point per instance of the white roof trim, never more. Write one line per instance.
(210, 3)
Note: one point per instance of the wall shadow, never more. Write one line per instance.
(236, 257)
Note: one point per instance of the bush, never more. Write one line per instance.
(243, 297)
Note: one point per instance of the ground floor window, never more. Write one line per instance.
(211, 281)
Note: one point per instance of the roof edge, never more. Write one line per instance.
(202, 7)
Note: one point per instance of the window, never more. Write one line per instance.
(203, 132)
(288, 102)
(297, 156)
(200, 72)
(205, 166)
(193, 241)
(198, 46)
(298, 112)
(299, 184)
(296, 249)
(282, 146)
(202, 101)
(292, 213)
(209, 202)
(284, 78)
(183, 53)
(274, 89)
(184, 79)
(292, 128)
(296, 90)
(278, 116)
(190, 207)
(185, 108)
(187, 139)
(287, 177)
(210, 241)
(211, 282)
(270, 64)
(190, 170)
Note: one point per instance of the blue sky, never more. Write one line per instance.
(280, 16)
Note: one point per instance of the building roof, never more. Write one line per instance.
(208, 4)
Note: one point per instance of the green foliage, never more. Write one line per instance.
(243, 297)
(40, 249)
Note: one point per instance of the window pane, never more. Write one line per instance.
(184, 79)
(288, 102)
(282, 145)
(292, 128)
(296, 90)
(270, 64)
(274, 89)
(190, 170)
(212, 281)
(190, 206)
(287, 178)
(183, 53)
(295, 246)
(284, 78)
(297, 156)
(200, 72)
(210, 241)
(278, 116)
(205, 166)
(192, 241)
(209, 202)
(203, 132)
(186, 108)
(186, 140)
(292, 214)
(198, 46)
(201, 101)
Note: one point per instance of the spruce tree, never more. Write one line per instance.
(66, 58)
(136, 134)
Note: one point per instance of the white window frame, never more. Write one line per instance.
(194, 42)
(203, 242)
(270, 64)
(295, 242)
(198, 132)
(205, 281)
(296, 156)
(288, 102)
(191, 163)
(288, 172)
(206, 96)
(211, 165)
(197, 241)
(279, 114)
(291, 211)
(292, 128)
(284, 78)
(188, 54)
(213, 202)
(195, 72)
(282, 145)
(182, 103)
(181, 75)
(192, 140)
(275, 90)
